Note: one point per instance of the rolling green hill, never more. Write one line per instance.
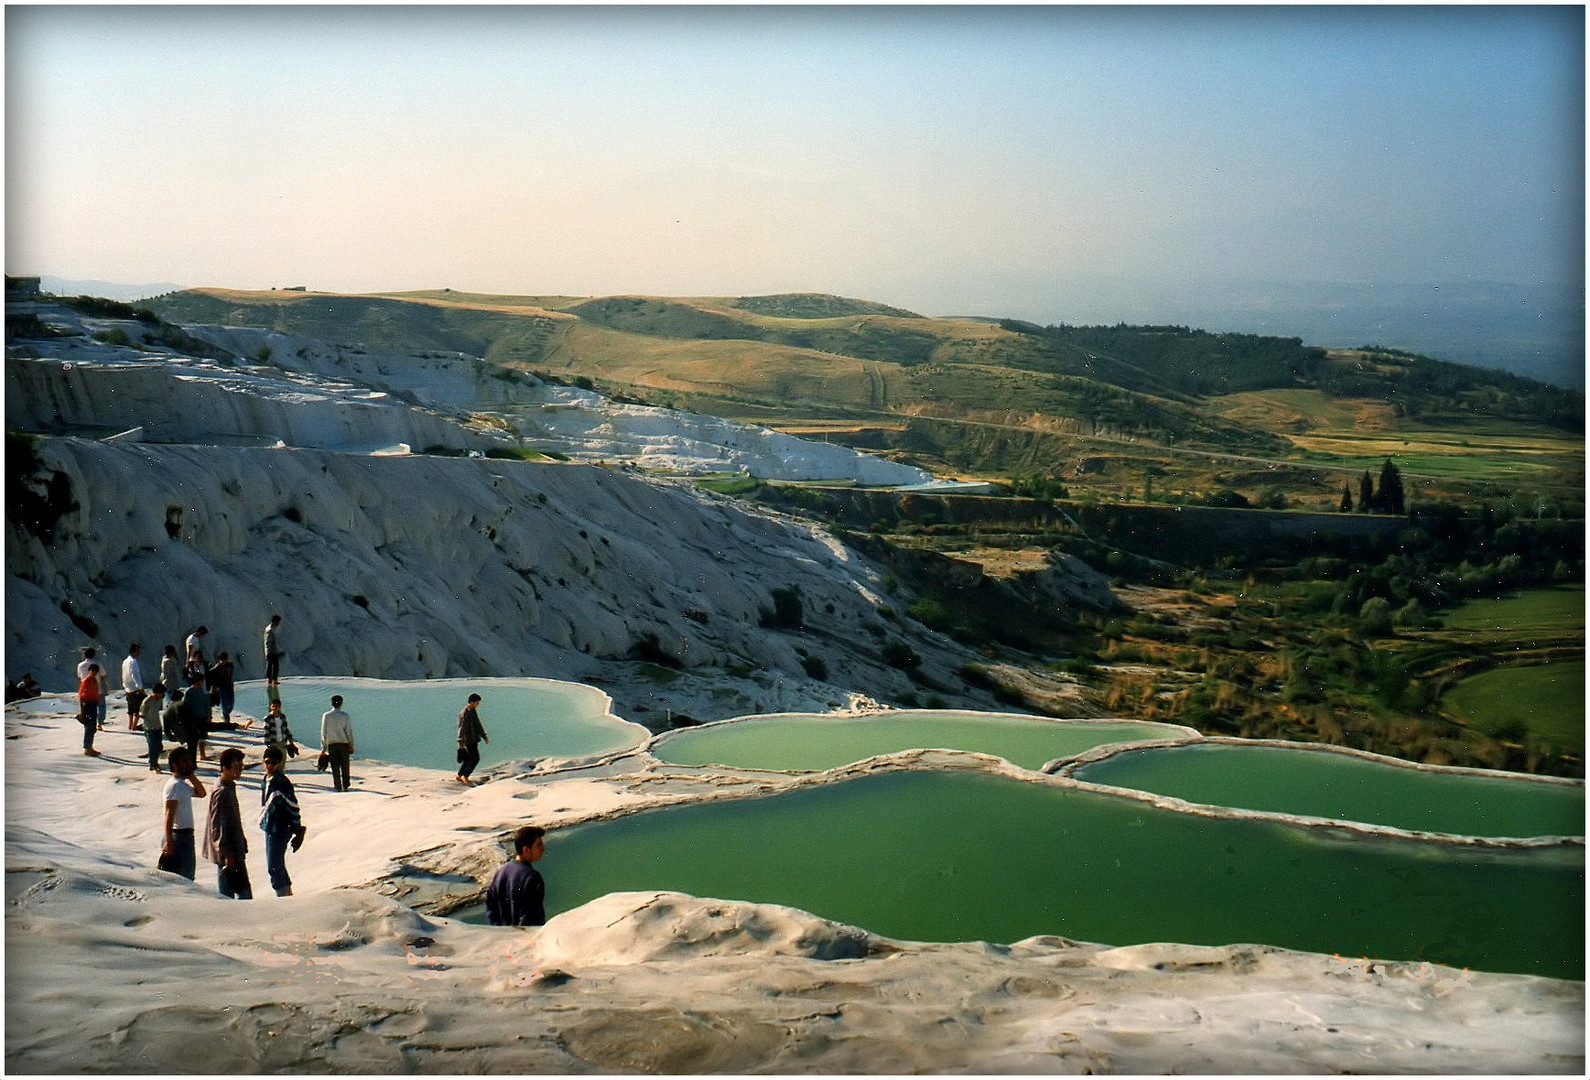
(973, 395)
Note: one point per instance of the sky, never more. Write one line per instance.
(1038, 162)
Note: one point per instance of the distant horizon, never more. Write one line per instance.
(1042, 162)
(1501, 330)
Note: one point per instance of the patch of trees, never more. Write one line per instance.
(1388, 498)
(1189, 361)
(100, 308)
(1037, 486)
(668, 318)
(1446, 555)
(26, 326)
(1201, 363)
(1420, 386)
(816, 306)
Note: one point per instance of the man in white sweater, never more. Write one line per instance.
(336, 739)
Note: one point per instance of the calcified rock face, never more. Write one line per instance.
(413, 567)
(246, 488)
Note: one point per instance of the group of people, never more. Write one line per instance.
(225, 843)
(515, 896)
(196, 687)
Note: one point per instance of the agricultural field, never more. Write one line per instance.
(1546, 701)
(1304, 410)
(1356, 434)
(1543, 695)
(1527, 617)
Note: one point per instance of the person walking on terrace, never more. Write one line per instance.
(196, 717)
(336, 739)
(471, 733)
(220, 681)
(517, 895)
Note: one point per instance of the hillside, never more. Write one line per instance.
(1068, 590)
(975, 396)
(155, 488)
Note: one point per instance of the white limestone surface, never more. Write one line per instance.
(112, 966)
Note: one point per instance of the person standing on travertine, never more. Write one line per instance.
(224, 842)
(177, 852)
(132, 682)
(90, 661)
(273, 652)
(336, 739)
(149, 715)
(88, 703)
(279, 819)
(277, 733)
(195, 653)
(171, 671)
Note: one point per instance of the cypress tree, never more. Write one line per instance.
(1390, 488)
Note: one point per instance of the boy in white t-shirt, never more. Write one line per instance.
(177, 851)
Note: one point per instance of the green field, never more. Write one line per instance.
(1543, 700)
(1533, 614)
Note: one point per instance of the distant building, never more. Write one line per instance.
(23, 287)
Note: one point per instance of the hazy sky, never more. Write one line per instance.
(949, 160)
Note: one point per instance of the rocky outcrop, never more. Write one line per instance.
(272, 475)
(415, 567)
(208, 404)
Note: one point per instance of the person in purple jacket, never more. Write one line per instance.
(517, 895)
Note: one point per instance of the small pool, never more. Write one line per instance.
(1320, 782)
(814, 742)
(971, 856)
(416, 723)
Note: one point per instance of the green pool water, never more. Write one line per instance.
(416, 723)
(810, 742)
(1323, 783)
(962, 856)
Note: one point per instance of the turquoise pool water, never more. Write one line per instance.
(941, 856)
(416, 723)
(1324, 783)
(811, 742)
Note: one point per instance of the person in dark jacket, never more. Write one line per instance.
(279, 819)
(470, 735)
(517, 895)
(219, 680)
(195, 713)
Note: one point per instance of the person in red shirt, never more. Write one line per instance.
(89, 696)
